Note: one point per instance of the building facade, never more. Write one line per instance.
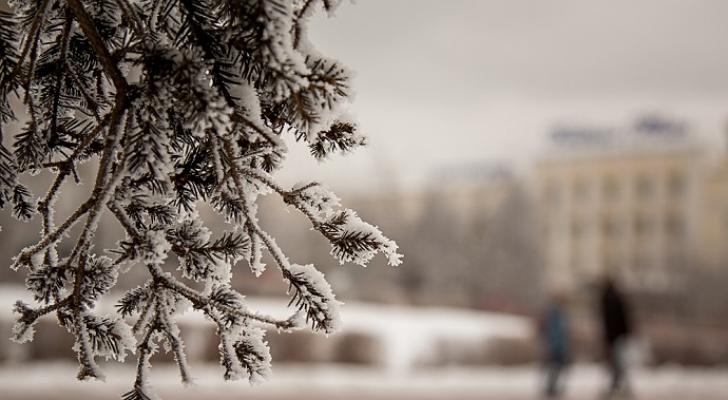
(637, 204)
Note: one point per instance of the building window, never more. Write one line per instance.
(676, 184)
(609, 226)
(644, 187)
(577, 229)
(674, 226)
(610, 188)
(580, 189)
(642, 225)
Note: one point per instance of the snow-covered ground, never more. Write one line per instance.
(409, 335)
(56, 381)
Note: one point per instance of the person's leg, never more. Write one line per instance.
(623, 385)
(550, 385)
(613, 371)
(553, 374)
(616, 368)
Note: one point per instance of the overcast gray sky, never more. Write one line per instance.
(445, 82)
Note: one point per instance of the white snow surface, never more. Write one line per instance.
(342, 382)
(407, 333)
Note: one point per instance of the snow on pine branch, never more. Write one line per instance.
(352, 239)
(313, 295)
(179, 102)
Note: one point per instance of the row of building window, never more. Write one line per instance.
(644, 187)
(641, 225)
(638, 263)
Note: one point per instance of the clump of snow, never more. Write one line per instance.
(279, 53)
(127, 341)
(257, 266)
(349, 223)
(217, 113)
(314, 292)
(150, 140)
(254, 354)
(158, 247)
(317, 198)
(22, 332)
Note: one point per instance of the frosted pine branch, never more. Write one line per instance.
(178, 102)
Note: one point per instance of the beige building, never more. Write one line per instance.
(712, 235)
(637, 204)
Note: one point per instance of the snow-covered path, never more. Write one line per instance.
(55, 382)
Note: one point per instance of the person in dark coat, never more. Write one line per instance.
(554, 331)
(617, 327)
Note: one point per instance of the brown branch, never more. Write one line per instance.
(275, 251)
(298, 30)
(60, 65)
(32, 39)
(30, 315)
(200, 301)
(67, 166)
(104, 182)
(131, 15)
(289, 197)
(92, 103)
(97, 44)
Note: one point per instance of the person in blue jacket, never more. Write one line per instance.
(554, 331)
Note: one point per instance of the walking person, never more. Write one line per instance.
(554, 332)
(617, 327)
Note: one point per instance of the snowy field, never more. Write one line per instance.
(408, 335)
(56, 382)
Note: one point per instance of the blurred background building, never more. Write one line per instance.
(624, 201)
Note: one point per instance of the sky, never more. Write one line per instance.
(444, 83)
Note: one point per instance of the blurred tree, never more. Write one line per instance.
(506, 253)
(437, 256)
(485, 257)
(178, 102)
